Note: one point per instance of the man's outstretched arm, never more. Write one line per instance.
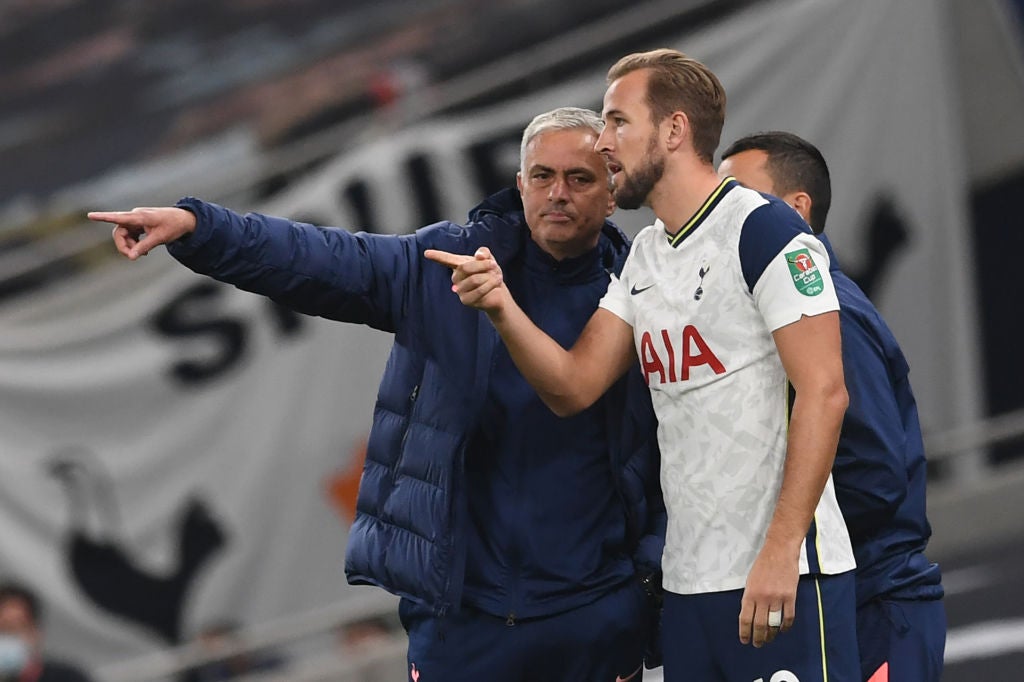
(567, 381)
(324, 271)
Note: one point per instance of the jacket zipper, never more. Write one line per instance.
(405, 434)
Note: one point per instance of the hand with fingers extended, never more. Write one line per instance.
(769, 599)
(477, 279)
(140, 230)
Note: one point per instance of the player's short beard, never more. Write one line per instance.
(635, 188)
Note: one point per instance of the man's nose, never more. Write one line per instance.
(559, 190)
(603, 145)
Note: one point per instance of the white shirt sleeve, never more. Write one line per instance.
(618, 301)
(795, 283)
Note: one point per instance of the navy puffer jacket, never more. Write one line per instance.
(410, 530)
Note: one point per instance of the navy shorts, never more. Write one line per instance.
(602, 641)
(901, 640)
(700, 637)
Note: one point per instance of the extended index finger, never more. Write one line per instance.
(117, 217)
(449, 260)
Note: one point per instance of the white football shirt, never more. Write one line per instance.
(703, 303)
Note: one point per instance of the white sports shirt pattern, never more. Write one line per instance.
(718, 386)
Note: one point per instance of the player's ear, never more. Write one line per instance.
(519, 181)
(677, 129)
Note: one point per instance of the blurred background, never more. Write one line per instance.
(179, 459)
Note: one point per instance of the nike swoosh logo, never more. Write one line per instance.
(634, 291)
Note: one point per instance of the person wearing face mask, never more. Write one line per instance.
(21, 639)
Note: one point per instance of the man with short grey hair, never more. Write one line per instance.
(524, 546)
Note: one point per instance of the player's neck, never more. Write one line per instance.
(682, 190)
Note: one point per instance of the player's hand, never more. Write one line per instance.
(140, 230)
(771, 588)
(477, 279)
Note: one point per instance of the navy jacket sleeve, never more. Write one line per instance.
(329, 272)
(652, 540)
(869, 473)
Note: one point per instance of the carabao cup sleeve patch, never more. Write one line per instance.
(804, 271)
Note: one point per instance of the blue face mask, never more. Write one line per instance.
(13, 654)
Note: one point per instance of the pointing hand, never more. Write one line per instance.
(140, 230)
(477, 279)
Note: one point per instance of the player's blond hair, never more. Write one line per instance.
(677, 82)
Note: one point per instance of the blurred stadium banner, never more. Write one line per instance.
(176, 451)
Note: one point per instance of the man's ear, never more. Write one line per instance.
(801, 201)
(678, 130)
(519, 182)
